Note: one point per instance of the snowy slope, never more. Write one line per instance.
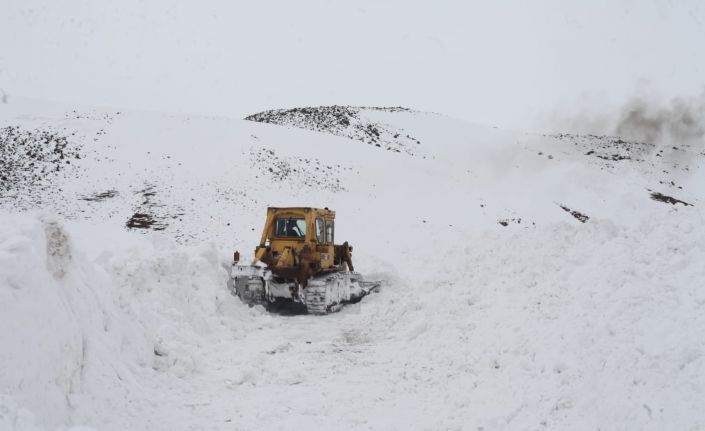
(541, 282)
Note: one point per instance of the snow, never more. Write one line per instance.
(545, 323)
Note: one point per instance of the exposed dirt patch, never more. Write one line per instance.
(151, 214)
(346, 121)
(58, 248)
(660, 197)
(97, 197)
(507, 221)
(582, 218)
(145, 221)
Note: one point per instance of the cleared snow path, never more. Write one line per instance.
(586, 328)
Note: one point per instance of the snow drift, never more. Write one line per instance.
(79, 333)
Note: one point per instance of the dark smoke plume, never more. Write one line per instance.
(682, 120)
(643, 118)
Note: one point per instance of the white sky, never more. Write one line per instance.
(503, 63)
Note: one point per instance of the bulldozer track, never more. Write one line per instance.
(315, 297)
(327, 293)
(250, 291)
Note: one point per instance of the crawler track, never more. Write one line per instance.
(323, 294)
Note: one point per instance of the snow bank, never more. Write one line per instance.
(51, 316)
(77, 334)
(591, 327)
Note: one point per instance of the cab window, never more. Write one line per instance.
(329, 231)
(290, 228)
(319, 231)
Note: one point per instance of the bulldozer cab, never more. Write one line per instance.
(310, 225)
(298, 240)
(290, 228)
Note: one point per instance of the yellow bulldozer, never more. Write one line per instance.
(297, 261)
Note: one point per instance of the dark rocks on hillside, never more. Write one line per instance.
(582, 218)
(309, 172)
(324, 118)
(608, 148)
(97, 197)
(505, 222)
(150, 213)
(30, 162)
(660, 197)
(144, 221)
(345, 121)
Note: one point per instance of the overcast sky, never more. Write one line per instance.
(503, 63)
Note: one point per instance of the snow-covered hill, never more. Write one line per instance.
(532, 282)
(350, 122)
